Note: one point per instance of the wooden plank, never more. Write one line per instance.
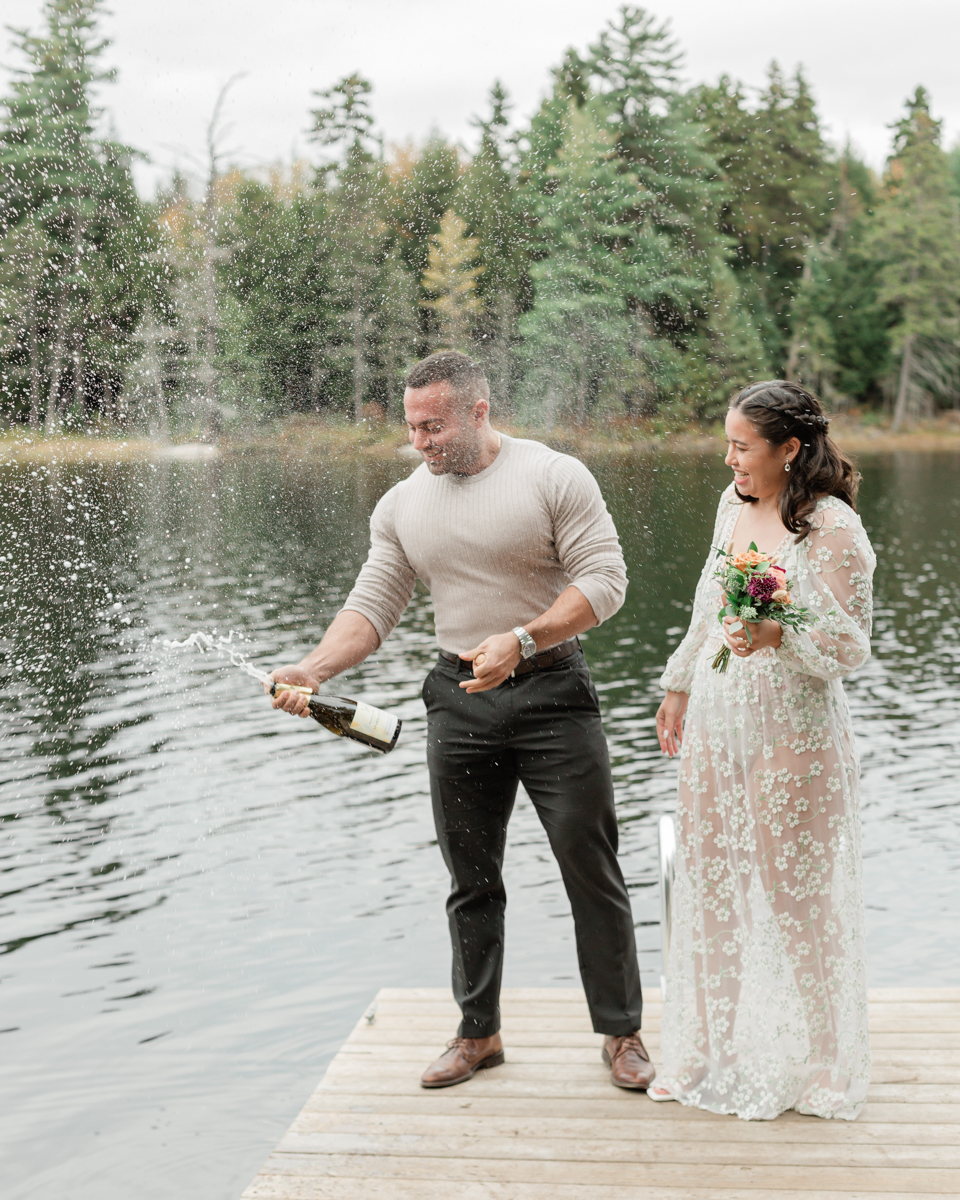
(904, 1000)
(917, 995)
(546, 1054)
(510, 995)
(806, 1130)
(376, 1035)
(544, 1075)
(544, 1146)
(446, 1029)
(812, 1178)
(377, 1031)
(501, 1083)
(880, 1022)
(291, 1187)
(608, 1107)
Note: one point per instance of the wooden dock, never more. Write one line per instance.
(548, 1125)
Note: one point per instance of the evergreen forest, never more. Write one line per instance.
(635, 252)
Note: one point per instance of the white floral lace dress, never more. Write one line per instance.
(766, 1000)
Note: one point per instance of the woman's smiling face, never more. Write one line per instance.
(758, 467)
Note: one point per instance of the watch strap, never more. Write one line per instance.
(528, 647)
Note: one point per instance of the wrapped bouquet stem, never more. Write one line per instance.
(755, 589)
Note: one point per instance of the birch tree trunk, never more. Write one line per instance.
(551, 408)
(56, 374)
(34, 357)
(499, 355)
(358, 358)
(211, 428)
(903, 391)
(796, 339)
(211, 252)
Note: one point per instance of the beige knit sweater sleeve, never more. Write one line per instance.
(585, 537)
(386, 581)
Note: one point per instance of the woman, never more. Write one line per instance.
(766, 1000)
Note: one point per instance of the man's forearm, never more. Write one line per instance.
(570, 614)
(349, 639)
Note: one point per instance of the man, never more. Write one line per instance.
(519, 552)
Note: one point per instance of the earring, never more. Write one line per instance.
(786, 466)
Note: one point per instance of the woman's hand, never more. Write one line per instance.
(670, 722)
(762, 633)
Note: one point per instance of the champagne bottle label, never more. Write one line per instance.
(374, 722)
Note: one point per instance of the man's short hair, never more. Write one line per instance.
(466, 378)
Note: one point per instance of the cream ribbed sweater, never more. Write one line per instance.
(494, 549)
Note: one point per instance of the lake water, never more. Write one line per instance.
(200, 895)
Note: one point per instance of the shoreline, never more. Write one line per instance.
(303, 438)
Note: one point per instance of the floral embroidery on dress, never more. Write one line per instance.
(766, 1004)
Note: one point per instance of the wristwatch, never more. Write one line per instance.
(528, 647)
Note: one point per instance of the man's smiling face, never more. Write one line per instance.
(443, 429)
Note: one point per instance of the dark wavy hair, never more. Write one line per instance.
(780, 410)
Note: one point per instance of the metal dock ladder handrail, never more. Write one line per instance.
(667, 835)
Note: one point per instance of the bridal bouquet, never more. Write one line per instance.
(755, 589)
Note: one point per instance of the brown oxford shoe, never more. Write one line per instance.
(463, 1058)
(629, 1062)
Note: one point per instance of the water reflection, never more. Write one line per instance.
(199, 894)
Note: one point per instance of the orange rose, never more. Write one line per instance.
(751, 558)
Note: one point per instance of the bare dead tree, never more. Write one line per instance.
(211, 254)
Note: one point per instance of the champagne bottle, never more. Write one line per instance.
(350, 718)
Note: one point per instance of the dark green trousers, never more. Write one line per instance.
(542, 729)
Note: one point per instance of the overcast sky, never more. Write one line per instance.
(432, 61)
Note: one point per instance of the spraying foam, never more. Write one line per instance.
(222, 646)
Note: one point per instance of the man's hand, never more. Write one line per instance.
(347, 642)
(294, 703)
(762, 633)
(493, 660)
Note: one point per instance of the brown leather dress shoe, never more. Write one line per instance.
(463, 1058)
(629, 1062)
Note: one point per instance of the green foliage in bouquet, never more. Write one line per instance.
(755, 589)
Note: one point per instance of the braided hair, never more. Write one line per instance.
(780, 410)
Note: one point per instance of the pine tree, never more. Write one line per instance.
(488, 200)
(840, 330)
(916, 237)
(577, 334)
(778, 191)
(70, 192)
(423, 187)
(25, 254)
(278, 272)
(955, 169)
(396, 329)
(674, 239)
(358, 198)
(681, 304)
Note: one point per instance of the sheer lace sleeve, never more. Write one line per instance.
(678, 673)
(835, 581)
